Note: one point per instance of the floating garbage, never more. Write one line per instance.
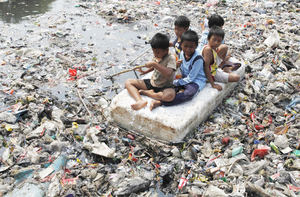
(58, 139)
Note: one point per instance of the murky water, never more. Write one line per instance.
(110, 42)
(14, 11)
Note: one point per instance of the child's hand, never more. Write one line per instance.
(178, 63)
(141, 71)
(150, 64)
(157, 59)
(218, 87)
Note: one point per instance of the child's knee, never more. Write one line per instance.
(234, 78)
(189, 94)
(169, 96)
(237, 78)
(223, 50)
(223, 47)
(129, 82)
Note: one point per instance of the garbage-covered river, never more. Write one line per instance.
(56, 134)
(59, 26)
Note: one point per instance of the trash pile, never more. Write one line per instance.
(56, 135)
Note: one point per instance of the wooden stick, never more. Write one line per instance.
(84, 103)
(139, 56)
(128, 70)
(130, 63)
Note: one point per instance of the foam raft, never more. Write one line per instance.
(173, 123)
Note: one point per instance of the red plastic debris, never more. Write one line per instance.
(252, 116)
(259, 127)
(129, 136)
(294, 188)
(270, 119)
(225, 140)
(72, 72)
(182, 182)
(260, 152)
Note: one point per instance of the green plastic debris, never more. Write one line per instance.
(297, 153)
(274, 147)
(237, 151)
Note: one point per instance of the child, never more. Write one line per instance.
(222, 51)
(182, 24)
(212, 72)
(193, 76)
(164, 66)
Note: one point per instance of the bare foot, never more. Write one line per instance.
(139, 105)
(146, 92)
(154, 104)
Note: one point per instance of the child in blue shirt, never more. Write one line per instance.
(193, 77)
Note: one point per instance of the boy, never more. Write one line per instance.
(193, 76)
(182, 24)
(164, 66)
(222, 51)
(212, 72)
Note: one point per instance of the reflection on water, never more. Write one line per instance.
(12, 11)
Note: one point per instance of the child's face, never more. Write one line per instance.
(179, 31)
(160, 53)
(188, 48)
(215, 41)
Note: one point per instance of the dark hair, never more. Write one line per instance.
(216, 31)
(160, 41)
(215, 20)
(190, 35)
(182, 21)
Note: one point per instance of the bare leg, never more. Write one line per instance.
(166, 95)
(233, 77)
(154, 104)
(222, 51)
(132, 86)
(152, 94)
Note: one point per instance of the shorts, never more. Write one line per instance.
(221, 76)
(150, 87)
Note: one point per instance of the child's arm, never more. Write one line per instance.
(165, 71)
(208, 57)
(196, 67)
(178, 63)
(143, 72)
(228, 56)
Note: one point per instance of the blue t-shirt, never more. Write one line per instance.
(192, 70)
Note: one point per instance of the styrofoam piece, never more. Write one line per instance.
(169, 123)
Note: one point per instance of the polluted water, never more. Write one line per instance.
(57, 61)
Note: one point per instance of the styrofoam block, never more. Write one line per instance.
(169, 123)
